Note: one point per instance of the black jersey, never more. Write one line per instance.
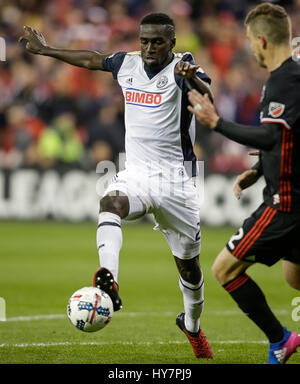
(278, 137)
(280, 105)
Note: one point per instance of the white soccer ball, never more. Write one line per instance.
(90, 309)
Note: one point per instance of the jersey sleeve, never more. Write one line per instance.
(282, 105)
(113, 63)
(182, 83)
(258, 167)
(261, 137)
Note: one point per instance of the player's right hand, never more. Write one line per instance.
(35, 42)
(186, 69)
(245, 180)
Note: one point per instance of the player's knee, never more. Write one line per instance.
(226, 267)
(291, 273)
(294, 283)
(189, 270)
(218, 272)
(221, 270)
(115, 204)
(192, 276)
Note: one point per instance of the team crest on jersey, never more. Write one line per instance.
(276, 109)
(162, 81)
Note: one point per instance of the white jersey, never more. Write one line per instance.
(160, 131)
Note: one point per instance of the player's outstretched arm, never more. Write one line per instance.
(261, 137)
(36, 44)
(188, 71)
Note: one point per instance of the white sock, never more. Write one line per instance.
(193, 301)
(109, 241)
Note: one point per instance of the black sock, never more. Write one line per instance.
(252, 302)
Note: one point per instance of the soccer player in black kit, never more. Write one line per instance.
(272, 232)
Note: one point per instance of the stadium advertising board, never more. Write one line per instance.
(28, 194)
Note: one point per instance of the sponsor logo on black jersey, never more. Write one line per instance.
(276, 109)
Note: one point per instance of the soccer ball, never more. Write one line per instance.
(90, 309)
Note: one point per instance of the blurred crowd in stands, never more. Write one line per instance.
(54, 114)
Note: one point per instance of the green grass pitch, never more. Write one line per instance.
(43, 263)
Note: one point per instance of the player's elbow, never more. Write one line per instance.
(268, 137)
(94, 61)
(267, 144)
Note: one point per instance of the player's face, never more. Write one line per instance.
(156, 45)
(256, 46)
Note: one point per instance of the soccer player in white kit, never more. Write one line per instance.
(160, 162)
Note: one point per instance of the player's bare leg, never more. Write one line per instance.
(230, 272)
(226, 267)
(191, 284)
(115, 202)
(113, 208)
(291, 273)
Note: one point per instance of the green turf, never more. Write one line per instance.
(42, 264)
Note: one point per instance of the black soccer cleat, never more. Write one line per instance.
(104, 279)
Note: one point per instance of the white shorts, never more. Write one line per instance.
(174, 205)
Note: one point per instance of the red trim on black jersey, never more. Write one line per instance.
(277, 121)
(254, 233)
(286, 164)
(286, 170)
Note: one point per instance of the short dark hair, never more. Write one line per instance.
(157, 18)
(160, 19)
(271, 20)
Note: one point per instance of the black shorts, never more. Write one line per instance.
(267, 236)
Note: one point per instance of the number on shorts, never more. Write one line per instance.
(238, 236)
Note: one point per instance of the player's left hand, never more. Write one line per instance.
(203, 109)
(245, 180)
(186, 69)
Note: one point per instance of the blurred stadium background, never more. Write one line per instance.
(58, 121)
